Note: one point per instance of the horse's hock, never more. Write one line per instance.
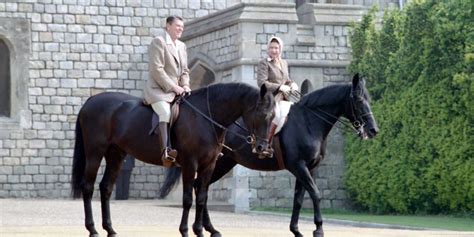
(80, 48)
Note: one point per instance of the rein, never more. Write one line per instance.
(248, 139)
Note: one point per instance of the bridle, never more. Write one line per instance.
(251, 139)
(356, 125)
(359, 120)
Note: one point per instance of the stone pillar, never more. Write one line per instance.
(241, 190)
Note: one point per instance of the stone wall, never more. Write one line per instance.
(78, 48)
(317, 50)
(67, 50)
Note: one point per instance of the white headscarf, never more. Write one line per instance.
(280, 42)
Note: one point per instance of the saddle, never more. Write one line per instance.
(155, 120)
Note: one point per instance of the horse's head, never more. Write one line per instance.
(360, 113)
(258, 119)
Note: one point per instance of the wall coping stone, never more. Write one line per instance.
(285, 13)
(291, 62)
(323, 13)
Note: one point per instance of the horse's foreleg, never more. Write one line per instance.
(202, 187)
(223, 166)
(112, 170)
(188, 182)
(304, 176)
(197, 225)
(297, 204)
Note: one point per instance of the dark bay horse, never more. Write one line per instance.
(113, 124)
(302, 141)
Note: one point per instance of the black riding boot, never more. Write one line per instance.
(168, 155)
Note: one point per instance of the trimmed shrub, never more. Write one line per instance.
(419, 69)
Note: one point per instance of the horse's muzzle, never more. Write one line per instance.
(259, 148)
(368, 133)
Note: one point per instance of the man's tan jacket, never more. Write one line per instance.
(168, 66)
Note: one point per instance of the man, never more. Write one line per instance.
(169, 77)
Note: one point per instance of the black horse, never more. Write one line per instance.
(302, 140)
(114, 124)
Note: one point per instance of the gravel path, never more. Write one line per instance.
(144, 218)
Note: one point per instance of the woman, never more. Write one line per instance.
(273, 72)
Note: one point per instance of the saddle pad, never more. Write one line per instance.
(284, 109)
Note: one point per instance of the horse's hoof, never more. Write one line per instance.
(216, 234)
(318, 233)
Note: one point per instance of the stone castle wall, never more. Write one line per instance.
(78, 48)
(64, 51)
(318, 52)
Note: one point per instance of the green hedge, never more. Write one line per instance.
(419, 69)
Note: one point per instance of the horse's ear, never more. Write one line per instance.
(263, 90)
(355, 81)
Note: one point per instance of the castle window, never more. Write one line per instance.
(15, 42)
(5, 101)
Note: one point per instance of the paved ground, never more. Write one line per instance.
(55, 218)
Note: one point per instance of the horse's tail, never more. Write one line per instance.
(171, 180)
(78, 163)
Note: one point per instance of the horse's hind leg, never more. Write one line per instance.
(114, 160)
(297, 204)
(90, 174)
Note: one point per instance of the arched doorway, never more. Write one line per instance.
(200, 75)
(4, 80)
(306, 87)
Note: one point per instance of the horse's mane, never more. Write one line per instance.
(331, 95)
(222, 91)
(326, 96)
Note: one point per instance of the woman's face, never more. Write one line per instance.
(274, 50)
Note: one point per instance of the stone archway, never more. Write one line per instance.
(5, 80)
(201, 75)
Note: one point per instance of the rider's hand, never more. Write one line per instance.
(294, 86)
(178, 90)
(187, 89)
(284, 88)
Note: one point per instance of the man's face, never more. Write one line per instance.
(175, 29)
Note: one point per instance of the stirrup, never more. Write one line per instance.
(168, 157)
(171, 154)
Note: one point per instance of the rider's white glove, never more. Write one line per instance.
(284, 88)
(294, 86)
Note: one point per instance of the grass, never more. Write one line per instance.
(432, 222)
